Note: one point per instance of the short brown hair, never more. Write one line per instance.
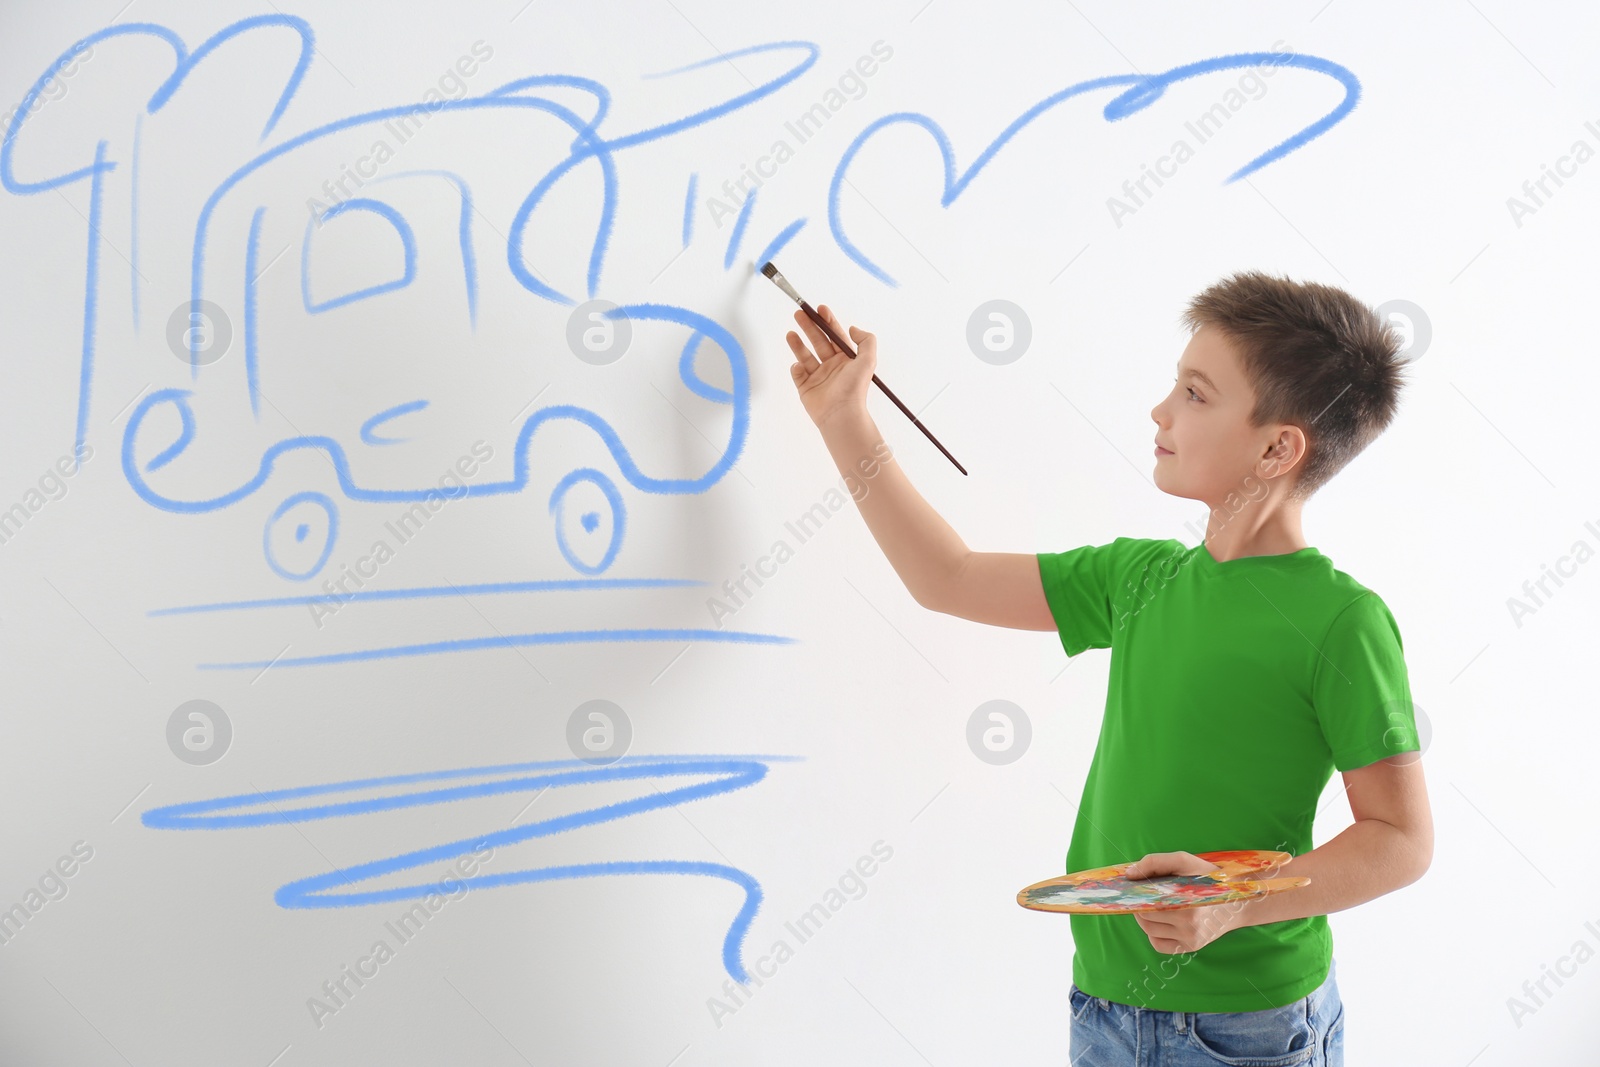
(1316, 357)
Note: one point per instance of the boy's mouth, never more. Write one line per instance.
(1163, 451)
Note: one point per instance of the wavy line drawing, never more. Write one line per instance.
(281, 806)
(1141, 92)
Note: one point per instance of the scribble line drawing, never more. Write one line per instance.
(1142, 91)
(279, 806)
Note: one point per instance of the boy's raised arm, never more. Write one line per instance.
(937, 567)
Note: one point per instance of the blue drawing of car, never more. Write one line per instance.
(169, 442)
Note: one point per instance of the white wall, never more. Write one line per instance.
(168, 946)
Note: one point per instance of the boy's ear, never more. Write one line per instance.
(1285, 452)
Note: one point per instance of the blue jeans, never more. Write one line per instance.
(1307, 1033)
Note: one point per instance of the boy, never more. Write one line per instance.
(1243, 672)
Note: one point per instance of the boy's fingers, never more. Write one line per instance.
(819, 340)
(832, 320)
(814, 333)
(839, 327)
(801, 353)
(1168, 863)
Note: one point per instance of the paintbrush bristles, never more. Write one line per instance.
(770, 270)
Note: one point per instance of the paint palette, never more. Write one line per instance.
(1106, 891)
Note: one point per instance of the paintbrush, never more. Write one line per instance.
(771, 271)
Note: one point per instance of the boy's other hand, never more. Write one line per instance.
(827, 379)
(1181, 929)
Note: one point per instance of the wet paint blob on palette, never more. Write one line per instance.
(1108, 891)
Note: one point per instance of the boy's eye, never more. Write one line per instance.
(1192, 395)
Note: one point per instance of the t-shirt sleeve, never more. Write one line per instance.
(1078, 585)
(1360, 687)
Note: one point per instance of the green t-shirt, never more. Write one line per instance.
(1235, 690)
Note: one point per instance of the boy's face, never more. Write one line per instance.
(1205, 423)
